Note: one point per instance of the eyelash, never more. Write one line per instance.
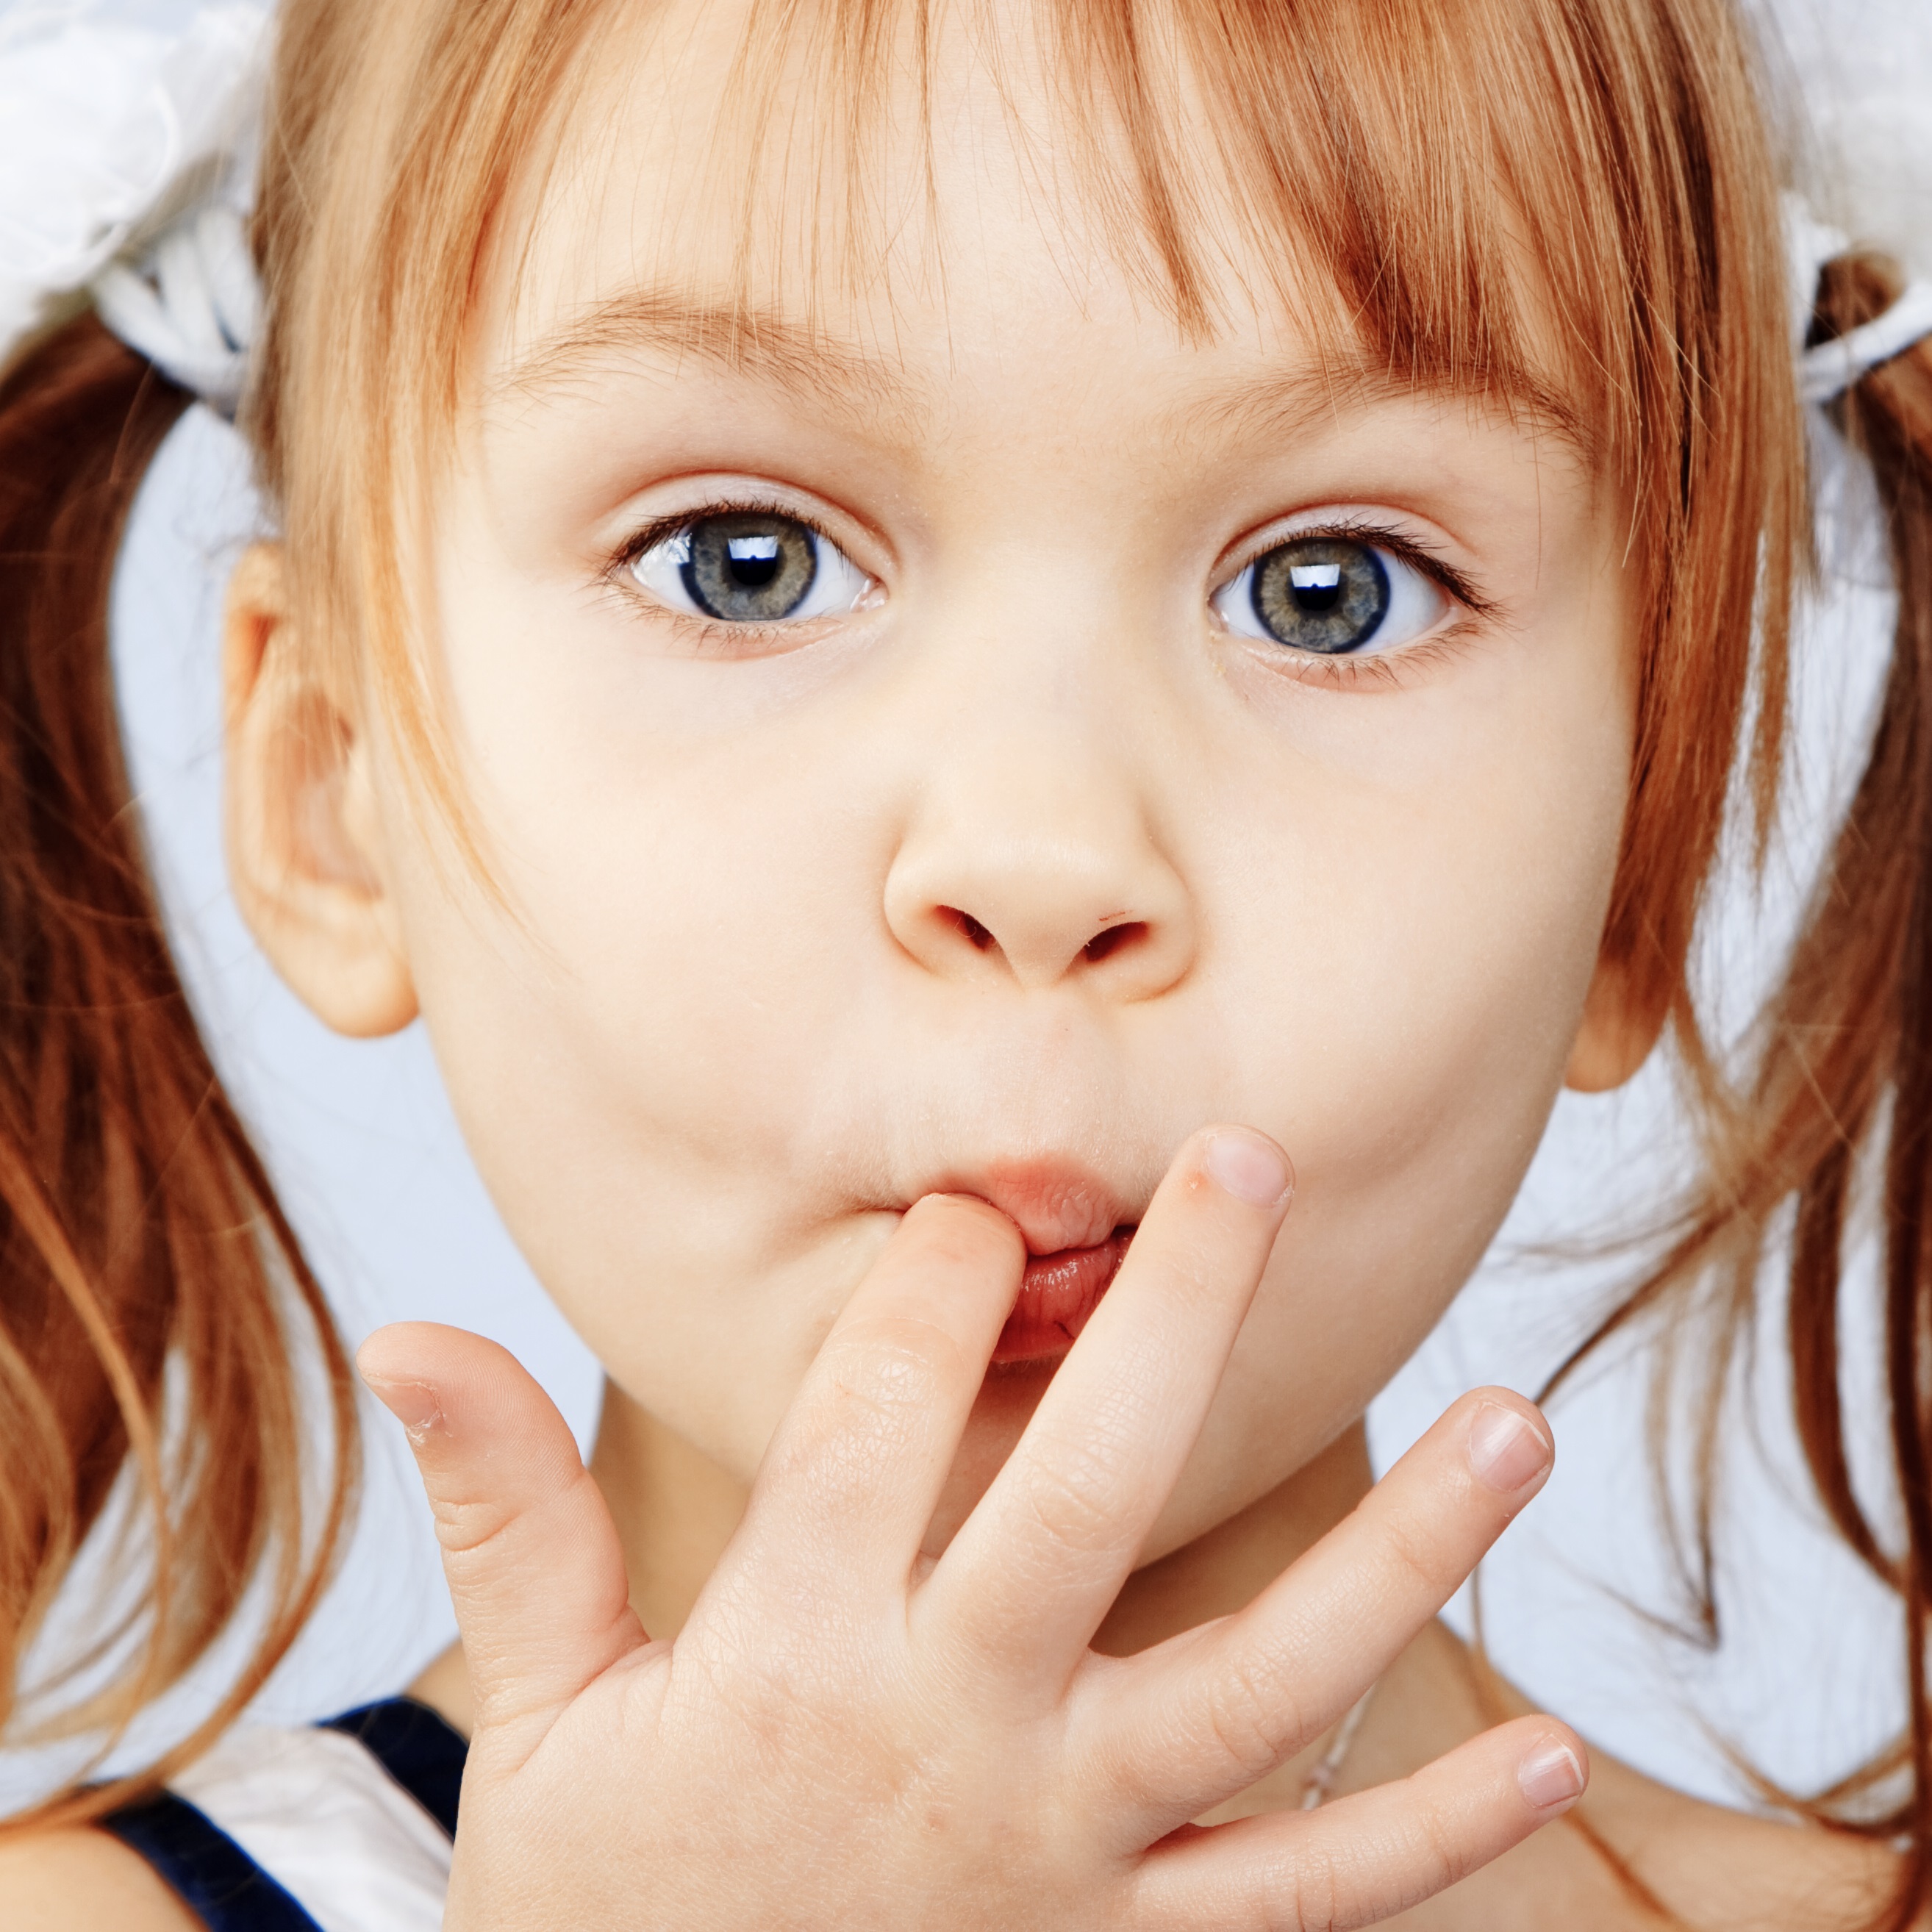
(1340, 672)
(661, 529)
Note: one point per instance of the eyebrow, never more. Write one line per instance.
(798, 356)
(1301, 400)
(759, 343)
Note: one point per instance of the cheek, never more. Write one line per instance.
(1423, 952)
(635, 1034)
(1447, 931)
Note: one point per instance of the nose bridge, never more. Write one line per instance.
(1032, 851)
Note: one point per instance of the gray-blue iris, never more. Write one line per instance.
(1322, 594)
(749, 567)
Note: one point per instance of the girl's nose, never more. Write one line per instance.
(1040, 865)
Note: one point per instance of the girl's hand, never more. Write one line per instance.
(844, 1736)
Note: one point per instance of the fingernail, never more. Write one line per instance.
(415, 1404)
(1251, 1168)
(1506, 1450)
(1550, 1776)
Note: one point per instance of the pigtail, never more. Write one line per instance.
(1837, 1120)
(151, 1291)
(1849, 1061)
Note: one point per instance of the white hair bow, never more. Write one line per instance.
(1861, 73)
(192, 305)
(126, 157)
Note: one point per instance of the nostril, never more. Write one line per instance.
(980, 938)
(1114, 937)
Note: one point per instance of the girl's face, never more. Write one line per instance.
(1093, 733)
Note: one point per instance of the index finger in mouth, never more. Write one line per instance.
(855, 1467)
(1035, 1567)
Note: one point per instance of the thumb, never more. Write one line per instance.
(532, 1557)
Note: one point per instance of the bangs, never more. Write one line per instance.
(1500, 197)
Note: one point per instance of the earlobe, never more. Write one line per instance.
(305, 850)
(1616, 1035)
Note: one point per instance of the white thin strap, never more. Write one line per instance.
(1826, 372)
(1321, 1779)
(192, 306)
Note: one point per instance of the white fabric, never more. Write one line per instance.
(1859, 73)
(1830, 369)
(192, 308)
(1809, 243)
(318, 1814)
(114, 129)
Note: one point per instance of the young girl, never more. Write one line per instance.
(882, 615)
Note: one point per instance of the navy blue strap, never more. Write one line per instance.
(215, 1877)
(414, 1745)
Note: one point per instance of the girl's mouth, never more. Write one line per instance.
(1058, 1293)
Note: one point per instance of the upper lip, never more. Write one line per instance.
(1056, 1204)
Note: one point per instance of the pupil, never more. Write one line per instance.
(1318, 586)
(750, 568)
(1325, 595)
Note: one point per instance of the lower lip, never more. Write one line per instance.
(1057, 1296)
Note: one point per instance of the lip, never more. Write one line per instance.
(1058, 1294)
(1058, 1205)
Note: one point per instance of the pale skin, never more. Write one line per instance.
(929, 1644)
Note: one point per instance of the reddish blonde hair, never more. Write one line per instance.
(1508, 196)
(138, 1229)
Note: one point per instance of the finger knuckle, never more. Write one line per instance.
(1254, 1717)
(893, 1367)
(781, 1691)
(466, 1528)
(837, 1460)
(1310, 1900)
(1439, 1857)
(880, 1392)
(1322, 1886)
(482, 1529)
(1071, 1495)
(1416, 1563)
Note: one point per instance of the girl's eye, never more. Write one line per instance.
(1333, 597)
(750, 567)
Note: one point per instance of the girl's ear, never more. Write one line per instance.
(306, 852)
(1617, 1034)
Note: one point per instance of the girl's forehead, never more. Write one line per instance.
(726, 173)
(719, 162)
